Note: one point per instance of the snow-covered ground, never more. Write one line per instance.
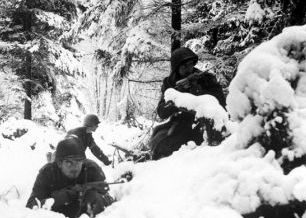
(197, 181)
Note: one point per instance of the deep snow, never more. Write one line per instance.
(196, 181)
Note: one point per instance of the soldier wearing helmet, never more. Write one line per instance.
(66, 181)
(84, 134)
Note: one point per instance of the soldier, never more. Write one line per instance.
(67, 181)
(169, 137)
(84, 134)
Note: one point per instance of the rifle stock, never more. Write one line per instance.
(137, 157)
(127, 152)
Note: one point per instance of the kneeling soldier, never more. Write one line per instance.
(67, 180)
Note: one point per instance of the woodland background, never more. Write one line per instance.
(61, 59)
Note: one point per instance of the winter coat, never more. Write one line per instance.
(169, 137)
(86, 140)
(51, 179)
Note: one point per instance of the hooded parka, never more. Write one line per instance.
(169, 137)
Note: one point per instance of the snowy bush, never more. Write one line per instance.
(268, 87)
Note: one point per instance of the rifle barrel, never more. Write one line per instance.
(108, 183)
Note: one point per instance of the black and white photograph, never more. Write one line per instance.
(152, 109)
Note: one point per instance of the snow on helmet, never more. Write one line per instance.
(69, 148)
(91, 120)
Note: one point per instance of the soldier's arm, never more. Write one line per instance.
(165, 110)
(40, 191)
(99, 153)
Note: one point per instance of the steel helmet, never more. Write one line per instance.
(69, 148)
(91, 120)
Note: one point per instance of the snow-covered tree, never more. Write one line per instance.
(269, 90)
(31, 32)
(128, 52)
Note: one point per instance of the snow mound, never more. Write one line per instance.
(199, 182)
(205, 106)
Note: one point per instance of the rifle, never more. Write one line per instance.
(99, 185)
(139, 157)
(185, 83)
(127, 152)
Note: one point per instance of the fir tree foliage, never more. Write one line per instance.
(32, 29)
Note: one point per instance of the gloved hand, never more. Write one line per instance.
(65, 196)
(108, 162)
(182, 85)
(108, 200)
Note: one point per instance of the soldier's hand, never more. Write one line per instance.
(108, 162)
(170, 104)
(77, 188)
(182, 84)
(108, 200)
(64, 196)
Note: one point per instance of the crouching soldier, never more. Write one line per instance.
(181, 128)
(68, 181)
(84, 134)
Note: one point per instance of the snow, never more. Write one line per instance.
(254, 12)
(205, 106)
(263, 82)
(196, 181)
(22, 163)
(11, 212)
(52, 19)
(263, 76)
(5, 46)
(217, 177)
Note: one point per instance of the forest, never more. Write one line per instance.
(94, 56)
(63, 59)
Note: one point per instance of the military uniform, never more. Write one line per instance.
(50, 180)
(169, 137)
(86, 140)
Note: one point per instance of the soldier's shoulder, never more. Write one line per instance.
(76, 131)
(90, 164)
(166, 84)
(48, 168)
(207, 75)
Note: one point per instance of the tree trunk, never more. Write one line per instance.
(28, 88)
(105, 78)
(27, 25)
(176, 21)
(97, 90)
(110, 99)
